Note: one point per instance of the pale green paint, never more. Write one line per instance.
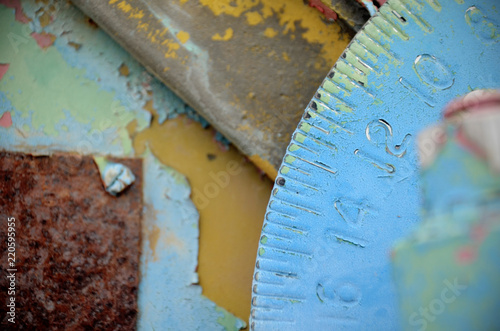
(305, 126)
(293, 147)
(299, 137)
(50, 95)
(289, 159)
(228, 321)
(329, 86)
(285, 170)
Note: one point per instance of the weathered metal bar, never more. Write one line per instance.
(249, 68)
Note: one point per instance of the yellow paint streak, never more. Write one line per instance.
(137, 14)
(254, 18)
(265, 166)
(183, 36)
(124, 6)
(143, 27)
(230, 220)
(286, 57)
(153, 236)
(172, 240)
(154, 36)
(228, 35)
(171, 48)
(270, 33)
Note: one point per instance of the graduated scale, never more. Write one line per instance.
(347, 189)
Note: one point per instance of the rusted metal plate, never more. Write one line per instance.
(353, 12)
(76, 247)
(249, 67)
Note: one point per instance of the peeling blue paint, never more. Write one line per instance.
(170, 265)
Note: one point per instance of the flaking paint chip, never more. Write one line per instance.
(115, 177)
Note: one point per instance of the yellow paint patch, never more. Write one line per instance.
(171, 48)
(270, 32)
(132, 127)
(228, 35)
(229, 7)
(183, 36)
(290, 14)
(265, 166)
(224, 189)
(123, 70)
(286, 57)
(44, 19)
(254, 18)
(124, 6)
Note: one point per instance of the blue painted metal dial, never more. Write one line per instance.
(347, 188)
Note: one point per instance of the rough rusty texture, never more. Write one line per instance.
(77, 247)
(351, 11)
(249, 67)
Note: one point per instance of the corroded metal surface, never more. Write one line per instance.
(77, 247)
(65, 85)
(351, 11)
(249, 67)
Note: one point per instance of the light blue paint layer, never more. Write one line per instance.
(351, 189)
(168, 296)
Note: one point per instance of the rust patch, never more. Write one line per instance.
(45, 19)
(74, 45)
(77, 247)
(154, 235)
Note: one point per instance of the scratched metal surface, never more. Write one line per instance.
(249, 67)
(347, 188)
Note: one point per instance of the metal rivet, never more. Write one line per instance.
(280, 181)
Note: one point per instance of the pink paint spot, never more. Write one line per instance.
(3, 69)
(6, 120)
(43, 39)
(20, 16)
(469, 145)
(466, 255)
(478, 233)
